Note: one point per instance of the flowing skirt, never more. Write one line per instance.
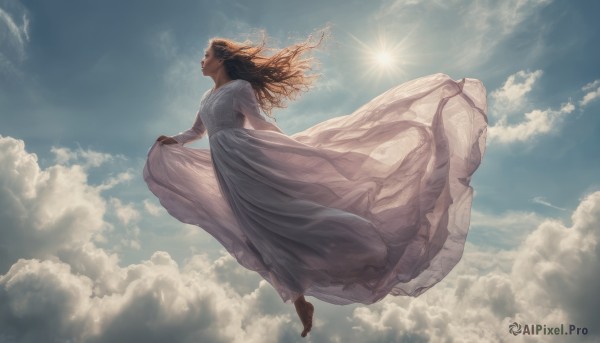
(350, 210)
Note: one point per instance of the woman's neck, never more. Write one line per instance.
(221, 79)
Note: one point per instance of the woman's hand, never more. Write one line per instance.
(166, 140)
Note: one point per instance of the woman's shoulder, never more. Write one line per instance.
(242, 83)
(242, 86)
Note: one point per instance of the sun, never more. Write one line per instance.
(384, 58)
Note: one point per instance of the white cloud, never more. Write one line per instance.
(535, 123)
(13, 34)
(80, 293)
(511, 98)
(155, 301)
(129, 217)
(591, 85)
(61, 285)
(543, 201)
(113, 181)
(43, 211)
(86, 158)
(53, 211)
(512, 94)
(558, 267)
(52, 299)
(551, 279)
(125, 212)
(151, 208)
(592, 90)
(14, 37)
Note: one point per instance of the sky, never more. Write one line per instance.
(87, 254)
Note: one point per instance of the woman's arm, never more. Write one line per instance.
(194, 133)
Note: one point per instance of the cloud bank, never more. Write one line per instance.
(70, 289)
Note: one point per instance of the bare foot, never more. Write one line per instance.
(308, 326)
(305, 311)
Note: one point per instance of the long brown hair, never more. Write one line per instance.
(275, 77)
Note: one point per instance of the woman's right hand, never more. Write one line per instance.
(167, 140)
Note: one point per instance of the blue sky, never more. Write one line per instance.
(87, 86)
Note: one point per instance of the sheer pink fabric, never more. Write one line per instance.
(348, 211)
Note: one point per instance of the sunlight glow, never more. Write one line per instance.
(384, 58)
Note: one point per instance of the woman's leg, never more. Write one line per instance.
(305, 311)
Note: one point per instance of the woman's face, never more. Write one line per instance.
(210, 64)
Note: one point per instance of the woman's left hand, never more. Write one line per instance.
(167, 140)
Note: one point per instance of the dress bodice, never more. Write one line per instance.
(229, 106)
(218, 107)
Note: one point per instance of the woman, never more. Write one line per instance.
(348, 211)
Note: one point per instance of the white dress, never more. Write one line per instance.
(348, 211)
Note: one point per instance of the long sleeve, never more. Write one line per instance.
(197, 130)
(194, 133)
(245, 103)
